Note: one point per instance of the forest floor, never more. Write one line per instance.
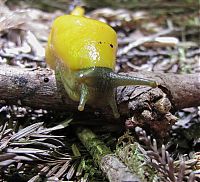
(157, 36)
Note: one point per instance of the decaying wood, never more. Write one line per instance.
(112, 167)
(149, 107)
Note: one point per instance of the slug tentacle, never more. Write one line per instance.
(123, 80)
(83, 97)
(113, 105)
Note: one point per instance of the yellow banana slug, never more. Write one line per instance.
(82, 51)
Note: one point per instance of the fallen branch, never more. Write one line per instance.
(114, 169)
(38, 89)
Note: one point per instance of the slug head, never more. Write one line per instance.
(97, 86)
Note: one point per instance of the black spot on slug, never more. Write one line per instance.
(46, 80)
(111, 45)
(100, 42)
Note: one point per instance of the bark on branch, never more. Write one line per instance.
(38, 89)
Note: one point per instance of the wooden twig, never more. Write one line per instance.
(112, 167)
(38, 89)
(142, 40)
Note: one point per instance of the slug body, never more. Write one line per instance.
(82, 52)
